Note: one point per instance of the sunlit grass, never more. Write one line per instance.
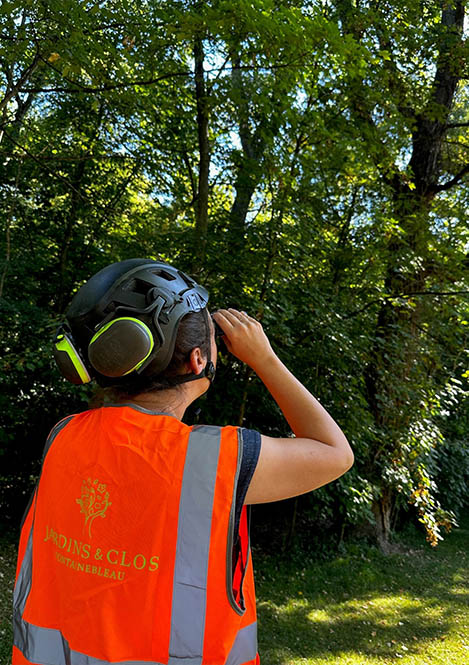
(359, 608)
(363, 608)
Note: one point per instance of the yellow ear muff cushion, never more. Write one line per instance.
(69, 361)
(120, 347)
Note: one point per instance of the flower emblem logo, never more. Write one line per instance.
(94, 501)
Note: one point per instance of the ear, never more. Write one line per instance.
(197, 360)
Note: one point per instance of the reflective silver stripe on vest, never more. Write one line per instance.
(244, 648)
(53, 433)
(193, 544)
(49, 646)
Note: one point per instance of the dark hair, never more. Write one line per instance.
(193, 331)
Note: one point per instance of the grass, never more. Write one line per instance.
(358, 608)
(363, 608)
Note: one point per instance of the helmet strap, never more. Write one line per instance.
(209, 369)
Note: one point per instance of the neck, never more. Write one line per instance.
(173, 401)
(166, 401)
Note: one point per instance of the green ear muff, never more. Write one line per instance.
(120, 347)
(68, 359)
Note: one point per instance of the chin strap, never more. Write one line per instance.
(209, 369)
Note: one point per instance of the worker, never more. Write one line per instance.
(135, 547)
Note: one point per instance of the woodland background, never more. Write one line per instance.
(307, 161)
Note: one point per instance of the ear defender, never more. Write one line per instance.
(120, 347)
(69, 360)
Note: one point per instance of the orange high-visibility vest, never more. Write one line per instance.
(126, 551)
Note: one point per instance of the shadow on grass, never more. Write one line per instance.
(362, 603)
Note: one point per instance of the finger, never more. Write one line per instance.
(247, 318)
(221, 316)
(234, 316)
(241, 316)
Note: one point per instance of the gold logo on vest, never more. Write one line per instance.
(94, 501)
(87, 558)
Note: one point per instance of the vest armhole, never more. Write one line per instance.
(28, 507)
(53, 433)
(248, 549)
(231, 535)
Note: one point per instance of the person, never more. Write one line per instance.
(135, 546)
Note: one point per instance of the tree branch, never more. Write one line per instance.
(429, 130)
(453, 125)
(71, 158)
(465, 146)
(23, 78)
(403, 295)
(128, 84)
(454, 181)
(105, 88)
(203, 112)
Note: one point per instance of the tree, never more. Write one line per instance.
(307, 161)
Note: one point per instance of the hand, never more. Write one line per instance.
(244, 337)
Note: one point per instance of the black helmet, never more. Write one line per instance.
(125, 319)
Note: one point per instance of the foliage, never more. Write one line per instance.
(306, 161)
(453, 454)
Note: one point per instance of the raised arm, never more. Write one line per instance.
(319, 453)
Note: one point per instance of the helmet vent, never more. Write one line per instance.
(164, 275)
(190, 283)
(136, 286)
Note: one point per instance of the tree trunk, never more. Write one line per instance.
(396, 345)
(201, 201)
(248, 168)
(382, 510)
